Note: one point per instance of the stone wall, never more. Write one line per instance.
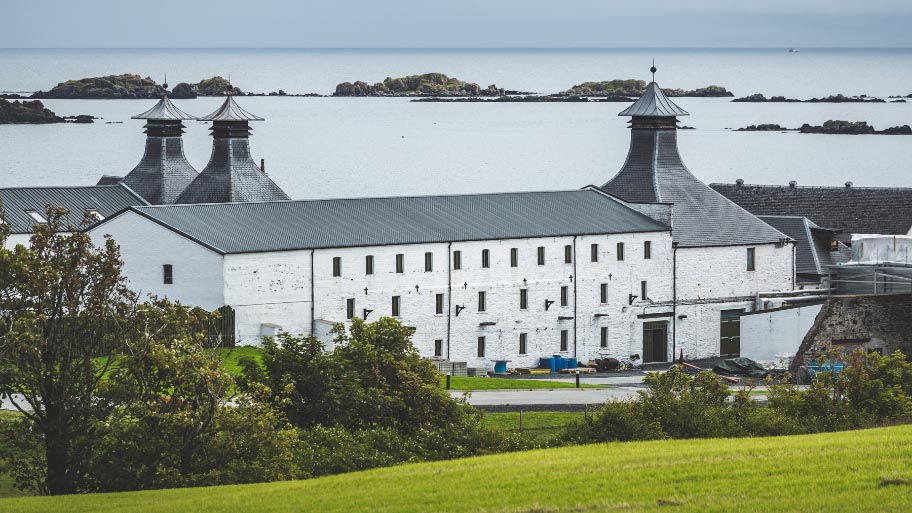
(868, 322)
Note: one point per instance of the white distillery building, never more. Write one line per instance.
(652, 262)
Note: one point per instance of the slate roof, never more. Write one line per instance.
(653, 103)
(655, 173)
(868, 210)
(106, 199)
(813, 252)
(163, 173)
(231, 176)
(290, 225)
(230, 111)
(164, 110)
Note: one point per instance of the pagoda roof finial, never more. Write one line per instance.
(230, 111)
(164, 110)
(653, 103)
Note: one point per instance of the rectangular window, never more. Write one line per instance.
(369, 264)
(168, 274)
(603, 297)
(541, 255)
(568, 254)
(38, 218)
(647, 249)
(522, 343)
(751, 264)
(457, 260)
(481, 347)
(603, 340)
(514, 257)
(482, 297)
(485, 258)
(565, 340)
(400, 263)
(396, 306)
(620, 250)
(337, 266)
(439, 304)
(643, 290)
(438, 347)
(594, 251)
(565, 295)
(523, 299)
(428, 262)
(350, 308)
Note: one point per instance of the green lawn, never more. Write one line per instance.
(536, 425)
(232, 356)
(858, 471)
(464, 383)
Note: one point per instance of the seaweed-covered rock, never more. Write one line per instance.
(26, 112)
(839, 98)
(712, 91)
(108, 87)
(215, 86)
(766, 127)
(635, 88)
(428, 84)
(183, 91)
(839, 127)
(759, 98)
(898, 130)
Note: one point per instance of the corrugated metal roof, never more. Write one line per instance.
(164, 110)
(289, 225)
(653, 103)
(230, 111)
(106, 199)
(655, 173)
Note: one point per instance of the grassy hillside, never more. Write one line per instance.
(857, 471)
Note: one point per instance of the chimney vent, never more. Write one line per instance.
(262, 165)
(739, 182)
(848, 185)
(793, 184)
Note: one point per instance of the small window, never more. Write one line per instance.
(438, 347)
(396, 300)
(568, 254)
(457, 260)
(481, 347)
(565, 340)
(91, 213)
(38, 218)
(603, 297)
(400, 263)
(594, 251)
(523, 299)
(485, 258)
(834, 245)
(522, 343)
(337, 266)
(565, 295)
(751, 264)
(439, 304)
(514, 257)
(350, 308)
(168, 274)
(369, 264)
(643, 291)
(603, 341)
(428, 262)
(620, 250)
(647, 249)
(541, 255)
(482, 301)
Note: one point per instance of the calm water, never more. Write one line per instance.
(338, 147)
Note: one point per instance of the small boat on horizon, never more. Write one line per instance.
(792, 50)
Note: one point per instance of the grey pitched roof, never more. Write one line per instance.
(106, 199)
(655, 173)
(230, 111)
(883, 210)
(813, 252)
(231, 176)
(653, 103)
(164, 110)
(289, 225)
(163, 173)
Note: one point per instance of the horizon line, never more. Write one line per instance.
(493, 48)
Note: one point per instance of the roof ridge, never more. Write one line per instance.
(836, 187)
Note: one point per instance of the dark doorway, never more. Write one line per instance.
(655, 342)
(730, 333)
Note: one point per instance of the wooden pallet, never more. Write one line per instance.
(579, 370)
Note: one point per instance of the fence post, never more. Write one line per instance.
(520, 419)
(448, 381)
(577, 379)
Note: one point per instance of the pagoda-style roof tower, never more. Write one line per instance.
(163, 173)
(231, 175)
(655, 173)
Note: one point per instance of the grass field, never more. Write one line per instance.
(858, 471)
(464, 383)
(536, 425)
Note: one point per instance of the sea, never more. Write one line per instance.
(355, 147)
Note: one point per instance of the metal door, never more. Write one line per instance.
(655, 342)
(730, 333)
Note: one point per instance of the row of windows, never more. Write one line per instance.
(482, 299)
(486, 258)
(524, 342)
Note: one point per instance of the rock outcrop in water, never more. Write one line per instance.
(215, 86)
(108, 87)
(767, 127)
(635, 88)
(428, 84)
(26, 112)
(838, 98)
(759, 98)
(837, 127)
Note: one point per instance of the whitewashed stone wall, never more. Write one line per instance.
(146, 247)
(17, 239)
(721, 272)
(766, 336)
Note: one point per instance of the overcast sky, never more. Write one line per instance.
(454, 23)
